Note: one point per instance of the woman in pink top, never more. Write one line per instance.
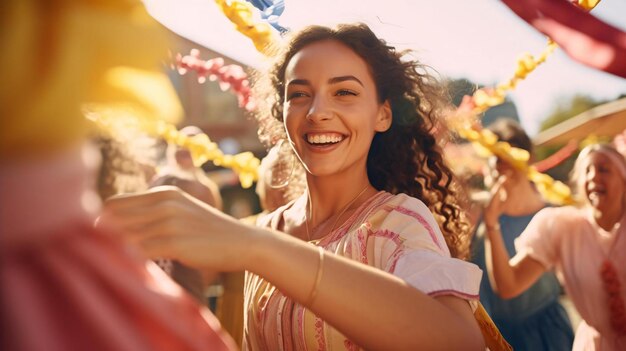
(585, 245)
(359, 260)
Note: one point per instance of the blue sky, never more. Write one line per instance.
(478, 39)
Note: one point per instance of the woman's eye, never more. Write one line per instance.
(296, 94)
(346, 92)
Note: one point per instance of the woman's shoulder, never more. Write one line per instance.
(561, 215)
(406, 205)
(410, 219)
(551, 224)
(402, 201)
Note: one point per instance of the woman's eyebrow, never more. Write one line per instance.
(343, 79)
(298, 82)
(333, 80)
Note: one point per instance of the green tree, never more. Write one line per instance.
(457, 88)
(567, 108)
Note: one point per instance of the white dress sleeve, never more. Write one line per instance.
(541, 237)
(417, 251)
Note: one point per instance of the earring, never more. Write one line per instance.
(282, 163)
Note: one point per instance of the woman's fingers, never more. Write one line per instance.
(167, 222)
(499, 191)
(136, 218)
(140, 217)
(129, 202)
(499, 183)
(159, 246)
(498, 198)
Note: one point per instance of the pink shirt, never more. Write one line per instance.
(394, 233)
(569, 240)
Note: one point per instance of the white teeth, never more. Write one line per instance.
(324, 138)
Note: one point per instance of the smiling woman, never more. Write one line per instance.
(368, 256)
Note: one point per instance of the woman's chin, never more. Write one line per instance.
(599, 205)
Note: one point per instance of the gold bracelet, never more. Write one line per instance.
(492, 227)
(318, 277)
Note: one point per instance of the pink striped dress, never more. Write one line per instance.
(394, 233)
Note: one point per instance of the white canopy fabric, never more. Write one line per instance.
(606, 120)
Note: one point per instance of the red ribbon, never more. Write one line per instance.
(584, 37)
(557, 157)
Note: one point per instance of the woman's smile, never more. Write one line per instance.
(324, 141)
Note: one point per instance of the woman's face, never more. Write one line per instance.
(331, 108)
(604, 185)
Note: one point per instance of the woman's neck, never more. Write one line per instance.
(607, 219)
(523, 199)
(328, 196)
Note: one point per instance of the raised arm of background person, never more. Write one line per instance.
(508, 277)
(375, 309)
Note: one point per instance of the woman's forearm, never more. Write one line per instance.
(501, 274)
(373, 308)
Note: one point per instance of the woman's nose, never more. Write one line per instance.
(593, 173)
(320, 110)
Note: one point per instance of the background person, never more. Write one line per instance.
(534, 320)
(585, 245)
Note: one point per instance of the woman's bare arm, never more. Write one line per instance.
(508, 277)
(375, 309)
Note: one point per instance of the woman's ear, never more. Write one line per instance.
(384, 118)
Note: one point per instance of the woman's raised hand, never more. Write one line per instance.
(495, 207)
(167, 222)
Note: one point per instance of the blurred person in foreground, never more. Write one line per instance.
(66, 285)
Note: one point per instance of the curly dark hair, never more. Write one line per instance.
(405, 158)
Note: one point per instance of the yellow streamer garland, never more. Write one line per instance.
(201, 147)
(588, 4)
(486, 98)
(242, 14)
(552, 191)
(467, 125)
